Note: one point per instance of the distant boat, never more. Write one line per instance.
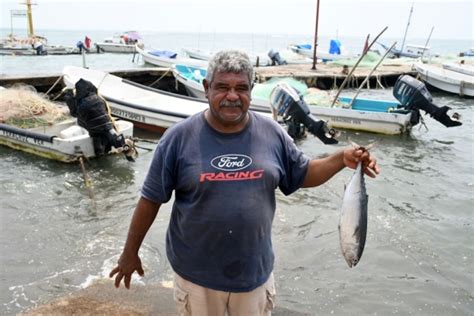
(447, 80)
(412, 51)
(197, 54)
(255, 59)
(468, 53)
(33, 45)
(124, 43)
(306, 50)
(166, 59)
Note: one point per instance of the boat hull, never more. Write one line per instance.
(162, 61)
(146, 107)
(365, 115)
(116, 48)
(53, 143)
(447, 80)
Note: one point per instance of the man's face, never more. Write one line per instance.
(229, 98)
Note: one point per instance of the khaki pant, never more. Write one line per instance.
(193, 299)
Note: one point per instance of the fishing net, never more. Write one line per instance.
(23, 107)
(264, 90)
(319, 97)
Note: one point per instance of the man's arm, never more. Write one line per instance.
(129, 262)
(321, 170)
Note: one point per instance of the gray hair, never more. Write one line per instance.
(234, 61)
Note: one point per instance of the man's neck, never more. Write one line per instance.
(226, 128)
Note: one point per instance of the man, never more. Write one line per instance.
(224, 165)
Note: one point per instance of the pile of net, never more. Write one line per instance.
(311, 96)
(23, 107)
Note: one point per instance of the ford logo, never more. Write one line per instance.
(231, 162)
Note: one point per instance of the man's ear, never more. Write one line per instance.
(205, 83)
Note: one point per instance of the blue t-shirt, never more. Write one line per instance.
(219, 234)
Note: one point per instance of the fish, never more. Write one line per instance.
(353, 220)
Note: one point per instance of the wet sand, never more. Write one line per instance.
(104, 299)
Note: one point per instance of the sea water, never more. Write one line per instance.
(57, 236)
(211, 42)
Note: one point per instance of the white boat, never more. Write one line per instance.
(124, 43)
(410, 51)
(370, 115)
(467, 53)
(446, 80)
(197, 53)
(191, 78)
(458, 67)
(147, 108)
(307, 51)
(167, 59)
(255, 59)
(111, 47)
(64, 141)
(374, 116)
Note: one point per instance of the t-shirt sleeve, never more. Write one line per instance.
(160, 181)
(295, 164)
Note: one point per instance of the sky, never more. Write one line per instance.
(451, 19)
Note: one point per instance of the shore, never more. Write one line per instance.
(103, 298)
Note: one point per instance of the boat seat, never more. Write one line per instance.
(73, 131)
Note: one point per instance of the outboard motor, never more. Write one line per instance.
(91, 112)
(287, 103)
(276, 58)
(413, 95)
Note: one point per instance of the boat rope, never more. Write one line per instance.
(144, 140)
(54, 85)
(109, 112)
(101, 81)
(334, 83)
(60, 94)
(87, 179)
(107, 106)
(423, 124)
(137, 139)
(151, 85)
(377, 77)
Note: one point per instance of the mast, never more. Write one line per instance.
(315, 47)
(31, 31)
(406, 30)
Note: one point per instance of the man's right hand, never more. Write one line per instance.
(127, 264)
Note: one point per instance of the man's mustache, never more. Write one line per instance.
(227, 103)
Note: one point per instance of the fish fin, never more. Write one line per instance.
(364, 148)
(356, 231)
(356, 146)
